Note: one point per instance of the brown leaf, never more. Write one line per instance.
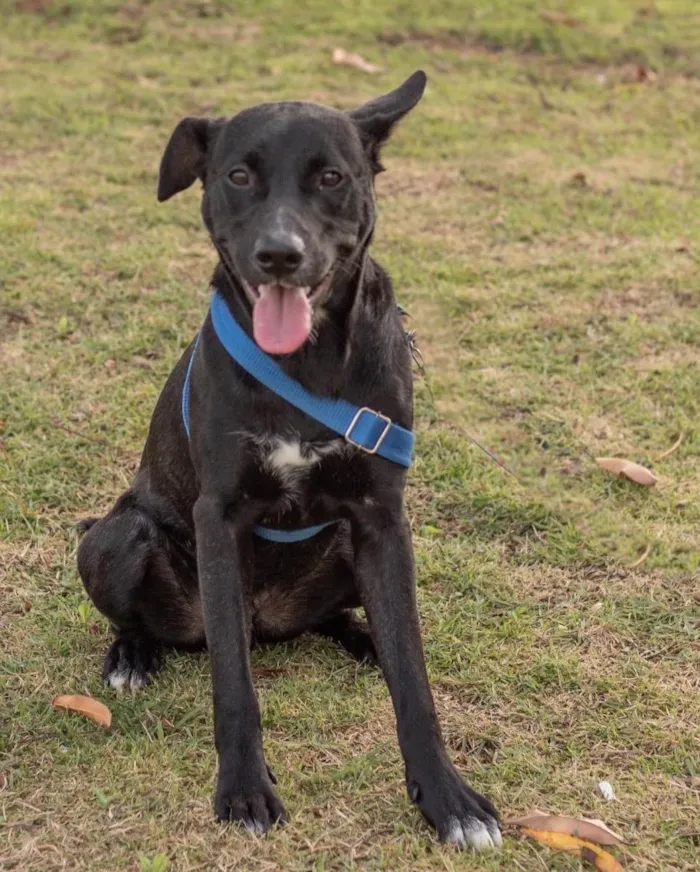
(559, 18)
(644, 74)
(140, 360)
(633, 471)
(579, 180)
(601, 859)
(572, 845)
(350, 59)
(590, 829)
(85, 705)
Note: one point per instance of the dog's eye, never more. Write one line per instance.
(240, 177)
(330, 179)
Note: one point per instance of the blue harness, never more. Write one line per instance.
(363, 428)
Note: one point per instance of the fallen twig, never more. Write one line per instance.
(59, 425)
(672, 448)
(641, 559)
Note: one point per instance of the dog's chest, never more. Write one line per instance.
(290, 462)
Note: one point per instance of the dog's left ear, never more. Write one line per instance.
(376, 119)
(185, 155)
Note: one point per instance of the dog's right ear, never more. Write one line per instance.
(185, 156)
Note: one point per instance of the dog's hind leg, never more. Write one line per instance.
(145, 584)
(350, 631)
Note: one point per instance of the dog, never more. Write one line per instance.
(185, 557)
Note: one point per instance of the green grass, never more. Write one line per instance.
(539, 218)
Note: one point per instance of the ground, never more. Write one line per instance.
(539, 216)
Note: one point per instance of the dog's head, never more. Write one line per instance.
(288, 199)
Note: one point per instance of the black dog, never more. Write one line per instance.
(179, 561)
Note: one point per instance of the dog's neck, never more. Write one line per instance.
(322, 363)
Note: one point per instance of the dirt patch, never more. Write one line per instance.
(419, 181)
(669, 360)
(439, 40)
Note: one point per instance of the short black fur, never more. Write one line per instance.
(175, 563)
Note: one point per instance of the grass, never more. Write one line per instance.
(539, 217)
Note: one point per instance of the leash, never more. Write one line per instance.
(360, 426)
(420, 363)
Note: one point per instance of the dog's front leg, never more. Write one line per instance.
(244, 790)
(386, 577)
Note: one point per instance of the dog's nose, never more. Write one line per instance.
(279, 255)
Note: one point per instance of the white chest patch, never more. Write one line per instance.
(289, 460)
(286, 457)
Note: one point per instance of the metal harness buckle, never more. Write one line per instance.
(382, 436)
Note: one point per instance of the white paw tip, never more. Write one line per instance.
(475, 834)
(254, 826)
(137, 681)
(117, 679)
(496, 836)
(455, 836)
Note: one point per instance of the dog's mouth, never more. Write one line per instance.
(282, 314)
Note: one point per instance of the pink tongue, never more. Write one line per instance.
(281, 319)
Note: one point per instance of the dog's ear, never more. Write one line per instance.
(376, 119)
(185, 155)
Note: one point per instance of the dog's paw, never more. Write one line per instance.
(352, 632)
(130, 662)
(361, 646)
(255, 806)
(461, 816)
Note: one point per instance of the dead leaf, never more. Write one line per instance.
(672, 448)
(644, 74)
(601, 859)
(141, 361)
(633, 471)
(3, 780)
(85, 705)
(648, 11)
(562, 842)
(350, 59)
(589, 829)
(579, 180)
(559, 18)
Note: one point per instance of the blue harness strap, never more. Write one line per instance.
(367, 430)
(186, 389)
